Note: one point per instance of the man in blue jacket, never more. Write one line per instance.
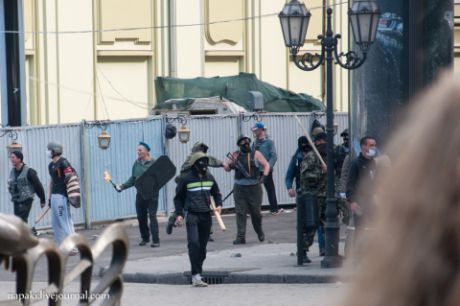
(266, 146)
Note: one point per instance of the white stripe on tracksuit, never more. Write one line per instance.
(199, 188)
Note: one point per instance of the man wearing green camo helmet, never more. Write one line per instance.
(193, 196)
(198, 146)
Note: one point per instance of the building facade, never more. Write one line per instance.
(98, 59)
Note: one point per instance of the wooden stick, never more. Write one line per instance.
(311, 142)
(42, 214)
(218, 216)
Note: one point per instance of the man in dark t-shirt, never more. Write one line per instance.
(59, 168)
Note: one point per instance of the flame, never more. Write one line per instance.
(107, 176)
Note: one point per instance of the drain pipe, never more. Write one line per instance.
(85, 175)
(172, 38)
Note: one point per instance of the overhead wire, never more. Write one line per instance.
(118, 92)
(102, 98)
(163, 26)
(83, 92)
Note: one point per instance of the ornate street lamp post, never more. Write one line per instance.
(363, 17)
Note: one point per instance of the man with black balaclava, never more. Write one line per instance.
(198, 146)
(293, 171)
(248, 164)
(192, 203)
(313, 183)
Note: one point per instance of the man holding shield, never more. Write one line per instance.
(146, 207)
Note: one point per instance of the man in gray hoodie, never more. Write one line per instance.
(266, 146)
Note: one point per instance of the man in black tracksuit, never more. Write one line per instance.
(192, 202)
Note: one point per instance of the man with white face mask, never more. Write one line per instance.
(59, 168)
(361, 174)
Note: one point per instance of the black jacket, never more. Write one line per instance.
(193, 193)
(362, 170)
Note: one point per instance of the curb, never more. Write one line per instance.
(229, 278)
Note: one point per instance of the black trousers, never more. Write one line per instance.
(147, 209)
(198, 229)
(22, 209)
(271, 193)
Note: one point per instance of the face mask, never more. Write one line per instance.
(305, 147)
(322, 148)
(204, 148)
(245, 148)
(49, 154)
(372, 152)
(202, 166)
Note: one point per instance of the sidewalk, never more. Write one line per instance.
(273, 261)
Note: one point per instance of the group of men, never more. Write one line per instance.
(197, 189)
(23, 184)
(309, 174)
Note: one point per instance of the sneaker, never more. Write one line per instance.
(261, 237)
(199, 283)
(210, 239)
(155, 244)
(73, 252)
(322, 253)
(143, 242)
(306, 259)
(239, 241)
(274, 213)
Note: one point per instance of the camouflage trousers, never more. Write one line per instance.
(343, 210)
(309, 232)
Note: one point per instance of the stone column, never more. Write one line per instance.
(414, 43)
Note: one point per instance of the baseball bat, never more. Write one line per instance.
(218, 216)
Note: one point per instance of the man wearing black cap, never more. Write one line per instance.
(247, 192)
(145, 208)
(23, 184)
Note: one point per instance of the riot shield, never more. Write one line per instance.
(155, 177)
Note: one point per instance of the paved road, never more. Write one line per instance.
(222, 295)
